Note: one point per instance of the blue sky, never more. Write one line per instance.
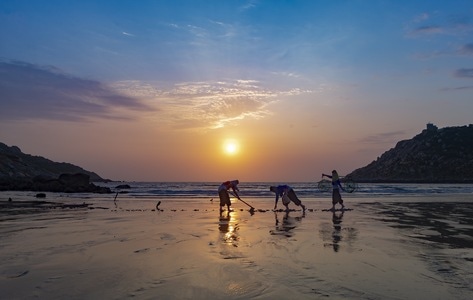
(316, 84)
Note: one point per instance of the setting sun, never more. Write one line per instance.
(230, 147)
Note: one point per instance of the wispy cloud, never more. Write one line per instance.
(382, 138)
(466, 49)
(427, 24)
(127, 34)
(36, 92)
(426, 30)
(249, 5)
(459, 88)
(421, 17)
(463, 73)
(207, 105)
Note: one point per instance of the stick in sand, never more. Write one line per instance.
(252, 208)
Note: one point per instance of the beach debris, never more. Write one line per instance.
(116, 195)
(18, 275)
(157, 205)
(141, 250)
(40, 195)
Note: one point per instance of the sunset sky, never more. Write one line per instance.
(218, 90)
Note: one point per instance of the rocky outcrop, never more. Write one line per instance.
(65, 183)
(24, 172)
(433, 156)
(16, 164)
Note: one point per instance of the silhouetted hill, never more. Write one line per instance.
(433, 156)
(20, 171)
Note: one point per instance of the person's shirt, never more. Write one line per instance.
(229, 185)
(280, 191)
(336, 184)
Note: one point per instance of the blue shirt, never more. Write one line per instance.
(281, 190)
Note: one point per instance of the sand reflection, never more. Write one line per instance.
(338, 235)
(228, 227)
(286, 225)
(337, 218)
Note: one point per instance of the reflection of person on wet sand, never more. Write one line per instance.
(224, 222)
(288, 223)
(228, 227)
(336, 233)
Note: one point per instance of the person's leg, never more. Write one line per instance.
(292, 195)
(335, 198)
(224, 199)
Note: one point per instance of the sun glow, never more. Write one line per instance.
(230, 147)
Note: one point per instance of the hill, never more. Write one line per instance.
(20, 171)
(434, 156)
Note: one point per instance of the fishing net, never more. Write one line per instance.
(349, 185)
(324, 185)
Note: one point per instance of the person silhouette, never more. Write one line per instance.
(224, 195)
(336, 186)
(287, 194)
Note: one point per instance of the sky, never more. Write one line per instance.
(214, 90)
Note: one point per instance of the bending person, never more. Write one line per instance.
(224, 195)
(287, 194)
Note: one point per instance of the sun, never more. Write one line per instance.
(231, 147)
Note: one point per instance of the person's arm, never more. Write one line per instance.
(235, 191)
(340, 185)
(326, 175)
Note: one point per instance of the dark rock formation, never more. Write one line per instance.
(123, 186)
(24, 172)
(65, 183)
(433, 156)
(16, 164)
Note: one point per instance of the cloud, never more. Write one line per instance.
(207, 105)
(447, 89)
(421, 17)
(249, 5)
(463, 73)
(30, 91)
(426, 30)
(438, 24)
(466, 49)
(382, 138)
(127, 34)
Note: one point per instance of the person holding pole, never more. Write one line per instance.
(224, 195)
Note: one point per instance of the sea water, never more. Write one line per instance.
(303, 189)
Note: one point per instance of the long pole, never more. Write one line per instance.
(241, 200)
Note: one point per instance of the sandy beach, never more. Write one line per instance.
(394, 248)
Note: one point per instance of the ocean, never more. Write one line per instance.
(190, 190)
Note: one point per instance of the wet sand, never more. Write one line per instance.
(386, 248)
